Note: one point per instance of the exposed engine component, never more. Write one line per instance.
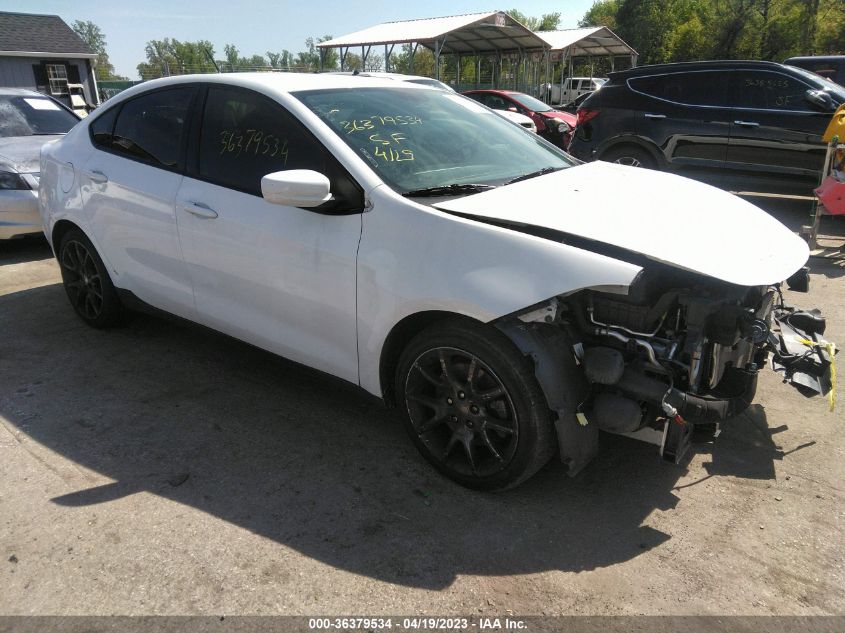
(678, 350)
(615, 413)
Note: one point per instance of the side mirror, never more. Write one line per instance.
(821, 99)
(296, 188)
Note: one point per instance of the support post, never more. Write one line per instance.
(411, 63)
(477, 71)
(458, 74)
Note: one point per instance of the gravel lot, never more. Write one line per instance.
(160, 468)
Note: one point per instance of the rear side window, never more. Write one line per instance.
(152, 127)
(763, 90)
(102, 128)
(704, 88)
(246, 136)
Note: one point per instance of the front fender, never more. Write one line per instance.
(413, 258)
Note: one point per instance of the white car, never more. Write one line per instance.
(519, 119)
(572, 88)
(27, 120)
(508, 299)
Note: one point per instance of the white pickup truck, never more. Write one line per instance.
(572, 88)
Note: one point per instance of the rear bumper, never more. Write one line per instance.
(19, 213)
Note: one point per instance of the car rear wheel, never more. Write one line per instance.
(86, 281)
(631, 156)
(473, 407)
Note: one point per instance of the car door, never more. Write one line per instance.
(775, 132)
(279, 277)
(129, 185)
(687, 116)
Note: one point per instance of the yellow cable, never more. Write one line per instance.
(831, 352)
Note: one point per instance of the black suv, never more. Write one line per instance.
(738, 124)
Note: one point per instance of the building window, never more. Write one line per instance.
(57, 75)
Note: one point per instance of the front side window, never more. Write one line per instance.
(246, 136)
(33, 116)
(762, 90)
(419, 139)
(152, 127)
(102, 127)
(57, 76)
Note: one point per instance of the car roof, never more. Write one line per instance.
(657, 69)
(816, 58)
(21, 92)
(278, 82)
(494, 91)
(379, 75)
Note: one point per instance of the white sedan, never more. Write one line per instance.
(509, 300)
(27, 121)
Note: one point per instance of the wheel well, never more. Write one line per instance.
(643, 147)
(398, 340)
(59, 231)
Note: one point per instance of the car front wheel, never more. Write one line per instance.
(473, 407)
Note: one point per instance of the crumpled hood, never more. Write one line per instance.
(667, 218)
(22, 153)
(563, 116)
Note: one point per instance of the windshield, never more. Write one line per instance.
(417, 139)
(28, 116)
(530, 102)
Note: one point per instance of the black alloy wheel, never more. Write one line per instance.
(461, 411)
(86, 281)
(473, 406)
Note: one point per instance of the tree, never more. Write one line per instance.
(173, 57)
(602, 13)
(234, 61)
(96, 40)
(546, 22)
(682, 30)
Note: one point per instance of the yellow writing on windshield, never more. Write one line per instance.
(253, 142)
(386, 147)
(363, 125)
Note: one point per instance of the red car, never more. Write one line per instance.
(553, 125)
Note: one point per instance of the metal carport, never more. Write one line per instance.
(477, 34)
(493, 34)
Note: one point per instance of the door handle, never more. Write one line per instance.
(98, 177)
(649, 115)
(747, 123)
(201, 210)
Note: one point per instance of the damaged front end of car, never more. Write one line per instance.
(679, 352)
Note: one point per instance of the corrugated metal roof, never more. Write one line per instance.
(469, 33)
(596, 40)
(29, 32)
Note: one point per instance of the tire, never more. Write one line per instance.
(631, 156)
(473, 406)
(87, 283)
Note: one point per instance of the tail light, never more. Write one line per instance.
(585, 114)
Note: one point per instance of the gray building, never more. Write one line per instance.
(41, 52)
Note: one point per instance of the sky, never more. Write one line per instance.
(259, 26)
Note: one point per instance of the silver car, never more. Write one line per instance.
(28, 120)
